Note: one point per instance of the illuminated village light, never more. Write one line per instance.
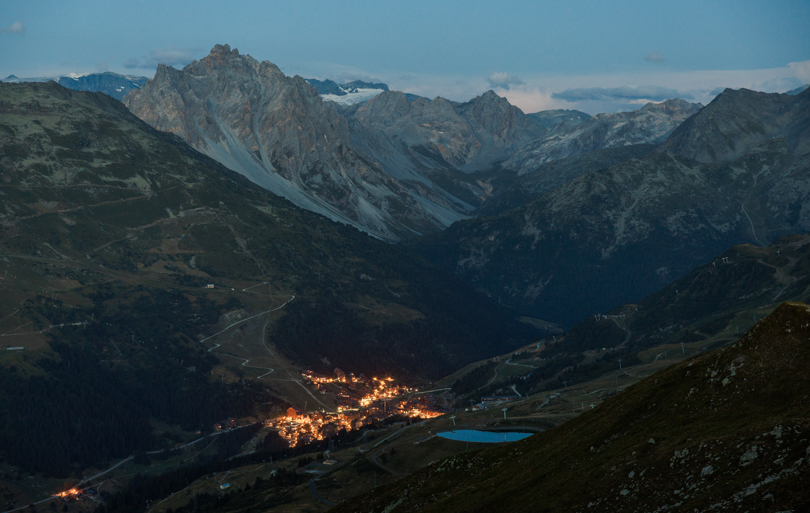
(376, 399)
(68, 494)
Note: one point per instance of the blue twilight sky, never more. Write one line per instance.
(592, 55)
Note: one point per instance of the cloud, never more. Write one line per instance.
(14, 28)
(345, 78)
(656, 57)
(800, 70)
(503, 80)
(779, 84)
(530, 100)
(132, 63)
(171, 56)
(627, 92)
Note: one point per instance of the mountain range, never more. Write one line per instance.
(109, 160)
(392, 164)
(112, 233)
(734, 172)
(277, 131)
(539, 204)
(650, 124)
(111, 84)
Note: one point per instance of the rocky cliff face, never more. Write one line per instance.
(276, 131)
(648, 125)
(468, 136)
(611, 236)
(394, 166)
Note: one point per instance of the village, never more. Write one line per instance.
(361, 401)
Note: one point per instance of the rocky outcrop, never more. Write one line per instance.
(276, 131)
(649, 125)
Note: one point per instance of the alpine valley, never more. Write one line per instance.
(228, 289)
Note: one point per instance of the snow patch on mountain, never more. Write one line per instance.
(352, 96)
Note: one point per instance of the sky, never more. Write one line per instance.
(595, 56)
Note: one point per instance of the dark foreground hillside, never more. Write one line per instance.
(110, 235)
(725, 430)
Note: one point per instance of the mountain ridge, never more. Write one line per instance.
(614, 235)
(648, 125)
(109, 83)
(277, 131)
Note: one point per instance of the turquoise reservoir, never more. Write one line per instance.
(486, 437)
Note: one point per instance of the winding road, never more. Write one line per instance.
(245, 361)
(753, 231)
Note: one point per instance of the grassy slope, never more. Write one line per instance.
(708, 308)
(109, 223)
(722, 428)
(91, 190)
(709, 293)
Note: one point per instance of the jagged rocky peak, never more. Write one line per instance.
(499, 117)
(469, 136)
(277, 131)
